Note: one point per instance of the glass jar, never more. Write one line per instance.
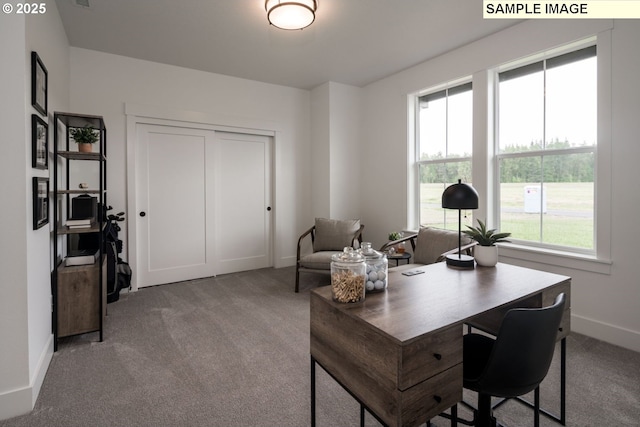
(400, 248)
(348, 274)
(377, 269)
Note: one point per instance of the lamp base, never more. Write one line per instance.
(460, 261)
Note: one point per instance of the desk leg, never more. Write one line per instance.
(363, 407)
(536, 407)
(563, 381)
(313, 392)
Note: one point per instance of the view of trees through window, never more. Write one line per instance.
(547, 115)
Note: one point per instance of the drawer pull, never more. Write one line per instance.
(437, 398)
(437, 356)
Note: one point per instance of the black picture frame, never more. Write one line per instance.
(39, 84)
(39, 143)
(40, 202)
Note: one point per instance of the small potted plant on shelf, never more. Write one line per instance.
(486, 252)
(85, 137)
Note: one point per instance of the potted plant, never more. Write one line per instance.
(486, 252)
(85, 137)
(394, 236)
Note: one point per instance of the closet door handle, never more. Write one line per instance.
(143, 213)
(268, 208)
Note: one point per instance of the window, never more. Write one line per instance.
(443, 150)
(540, 152)
(545, 151)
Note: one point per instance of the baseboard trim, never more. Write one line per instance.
(15, 402)
(21, 401)
(41, 370)
(287, 261)
(606, 332)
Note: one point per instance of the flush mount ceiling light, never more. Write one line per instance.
(291, 15)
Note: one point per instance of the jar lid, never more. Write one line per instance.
(348, 254)
(369, 252)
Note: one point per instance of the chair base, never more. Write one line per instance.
(479, 420)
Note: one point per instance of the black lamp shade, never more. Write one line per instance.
(460, 196)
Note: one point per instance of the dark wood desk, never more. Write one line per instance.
(400, 352)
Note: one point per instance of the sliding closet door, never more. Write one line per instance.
(243, 202)
(175, 215)
(203, 203)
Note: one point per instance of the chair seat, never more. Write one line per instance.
(318, 260)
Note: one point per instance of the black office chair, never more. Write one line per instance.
(516, 362)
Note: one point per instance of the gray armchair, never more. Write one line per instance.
(431, 245)
(328, 237)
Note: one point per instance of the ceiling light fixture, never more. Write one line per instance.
(291, 15)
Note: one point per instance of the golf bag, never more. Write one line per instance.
(118, 272)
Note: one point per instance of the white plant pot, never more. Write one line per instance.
(486, 256)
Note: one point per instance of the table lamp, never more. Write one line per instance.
(460, 196)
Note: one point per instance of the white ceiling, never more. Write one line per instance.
(354, 42)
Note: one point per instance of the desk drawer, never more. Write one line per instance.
(429, 355)
(431, 397)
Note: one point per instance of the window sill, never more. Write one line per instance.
(556, 258)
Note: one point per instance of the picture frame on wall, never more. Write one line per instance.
(40, 202)
(39, 143)
(39, 84)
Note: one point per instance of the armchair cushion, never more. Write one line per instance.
(318, 260)
(334, 234)
(433, 242)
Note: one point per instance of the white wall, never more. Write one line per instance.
(335, 151)
(345, 158)
(46, 36)
(321, 151)
(25, 260)
(102, 84)
(604, 306)
(14, 364)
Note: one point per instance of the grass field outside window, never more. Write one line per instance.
(568, 220)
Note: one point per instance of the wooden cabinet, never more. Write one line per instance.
(79, 291)
(81, 297)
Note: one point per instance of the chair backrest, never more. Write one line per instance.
(523, 350)
(433, 242)
(335, 234)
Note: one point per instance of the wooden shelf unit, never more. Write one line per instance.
(79, 292)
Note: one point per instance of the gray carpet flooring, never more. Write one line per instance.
(234, 351)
